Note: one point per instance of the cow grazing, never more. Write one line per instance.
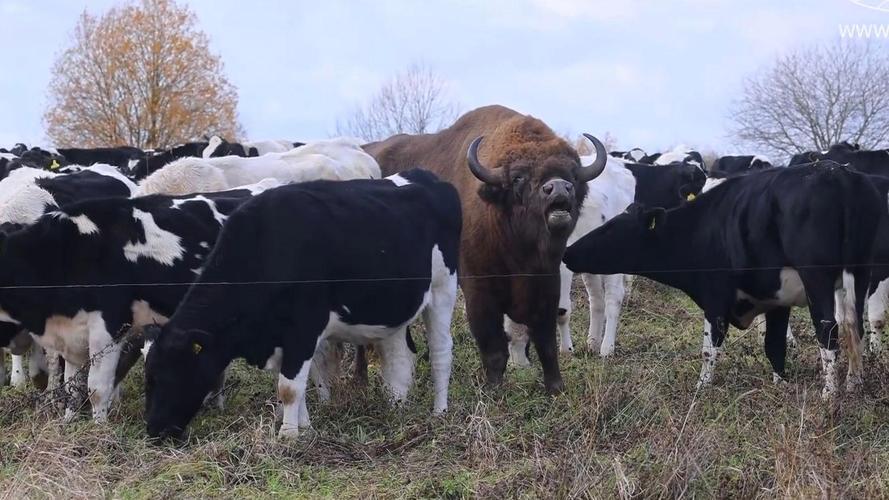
(354, 261)
(757, 243)
(126, 262)
(29, 193)
(727, 166)
(521, 196)
(335, 159)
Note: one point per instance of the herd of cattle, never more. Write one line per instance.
(275, 252)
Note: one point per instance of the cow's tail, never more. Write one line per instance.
(847, 316)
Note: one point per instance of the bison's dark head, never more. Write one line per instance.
(181, 368)
(538, 188)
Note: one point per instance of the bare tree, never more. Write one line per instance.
(816, 97)
(140, 75)
(415, 101)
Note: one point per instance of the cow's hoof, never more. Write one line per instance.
(778, 379)
(853, 383)
(289, 432)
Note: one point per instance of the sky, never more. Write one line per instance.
(651, 74)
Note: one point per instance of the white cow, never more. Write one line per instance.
(608, 195)
(335, 159)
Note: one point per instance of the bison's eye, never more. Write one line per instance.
(517, 180)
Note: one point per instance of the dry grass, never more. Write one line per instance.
(631, 426)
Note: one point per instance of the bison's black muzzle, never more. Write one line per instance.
(559, 201)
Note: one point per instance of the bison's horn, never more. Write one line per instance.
(589, 172)
(481, 172)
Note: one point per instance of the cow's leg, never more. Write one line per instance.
(37, 368)
(75, 394)
(486, 323)
(55, 372)
(877, 303)
(2, 367)
(397, 364)
(518, 342)
(437, 318)
(326, 367)
(714, 334)
(820, 293)
(596, 295)
(19, 377)
(104, 355)
(359, 366)
(296, 361)
(614, 298)
(564, 317)
(776, 340)
(292, 392)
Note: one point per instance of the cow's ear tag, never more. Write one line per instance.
(54, 165)
(690, 197)
(196, 348)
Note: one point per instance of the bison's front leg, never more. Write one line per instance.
(543, 334)
(486, 323)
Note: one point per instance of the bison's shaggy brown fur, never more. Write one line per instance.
(510, 257)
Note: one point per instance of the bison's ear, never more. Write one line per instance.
(653, 218)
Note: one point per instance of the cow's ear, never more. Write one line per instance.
(653, 218)
(151, 332)
(199, 340)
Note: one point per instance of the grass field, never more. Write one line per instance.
(629, 426)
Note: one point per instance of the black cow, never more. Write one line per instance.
(79, 277)
(753, 244)
(123, 157)
(875, 162)
(354, 261)
(665, 186)
(726, 166)
(157, 159)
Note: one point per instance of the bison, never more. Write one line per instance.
(521, 188)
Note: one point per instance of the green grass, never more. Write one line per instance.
(629, 426)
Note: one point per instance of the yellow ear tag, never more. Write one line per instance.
(54, 165)
(651, 226)
(196, 348)
(690, 197)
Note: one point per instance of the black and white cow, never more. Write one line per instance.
(82, 275)
(25, 195)
(634, 155)
(756, 244)
(353, 261)
(727, 166)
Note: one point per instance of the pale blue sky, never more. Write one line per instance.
(651, 73)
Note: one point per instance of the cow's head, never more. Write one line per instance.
(616, 246)
(181, 368)
(538, 185)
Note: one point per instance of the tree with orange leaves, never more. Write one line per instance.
(141, 75)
